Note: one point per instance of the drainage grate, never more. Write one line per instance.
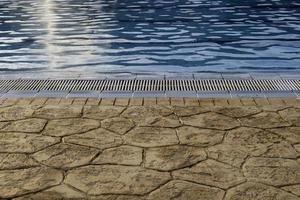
(150, 85)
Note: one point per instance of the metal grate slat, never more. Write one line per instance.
(149, 85)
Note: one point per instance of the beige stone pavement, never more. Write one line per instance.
(154, 149)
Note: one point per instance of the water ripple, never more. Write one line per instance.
(149, 35)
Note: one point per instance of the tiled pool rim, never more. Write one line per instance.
(151, 101)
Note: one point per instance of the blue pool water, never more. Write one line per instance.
(149, 35)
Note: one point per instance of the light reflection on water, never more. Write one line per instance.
(149, 35)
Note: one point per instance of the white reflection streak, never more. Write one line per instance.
(49, 22)
(80, 53)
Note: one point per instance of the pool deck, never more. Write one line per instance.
(150, 148)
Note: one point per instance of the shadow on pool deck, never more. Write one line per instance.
(151, 148)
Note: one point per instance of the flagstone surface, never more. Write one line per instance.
(149, 152)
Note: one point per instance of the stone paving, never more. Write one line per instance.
(149, 152)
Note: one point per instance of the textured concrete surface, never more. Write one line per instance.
(225, 149)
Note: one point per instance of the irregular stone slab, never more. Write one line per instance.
(118, 125)
(295, 189)
(182, 190)
(8, 103)
(199, 136)
(112, 179)
(297, 147)
(98, 138)
(282, 149)
(65, 155)
(171, 121)
(292, 115)
(65, 127)
(252, 140)
(173, 157)
(11, 142)
(102, 112)
(257, 191)
(273, 108)
(15, 113)
(243, 142)
(58, 112)
(140, 113)
(18, 182)
(33, 125)
(292, 134)
(123, 155)
(237, 112)
(265, 120)
(3, 124)
(189, 111)
(228, 153)
(151, 137)
(16, 161)
(272, 171)
(117, 197)
(57, 192)
(211, 120)
(210, 172)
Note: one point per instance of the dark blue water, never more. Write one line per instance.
(150, 35)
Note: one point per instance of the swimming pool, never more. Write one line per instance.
(99, 36)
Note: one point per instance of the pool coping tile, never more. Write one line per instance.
(45, 93)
